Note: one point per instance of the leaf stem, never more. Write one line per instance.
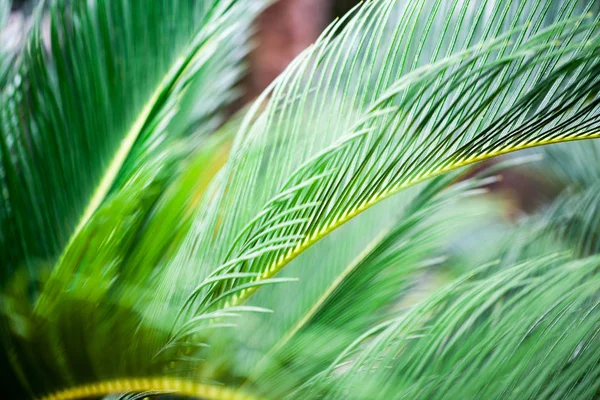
(161, 384)
(316, 236)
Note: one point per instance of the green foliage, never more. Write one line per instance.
(528, 331)
(297, 251)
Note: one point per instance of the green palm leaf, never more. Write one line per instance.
(525, 326)
(94, 136)
(427, 114)
(342, 294)
(81, 120)
(528, 331)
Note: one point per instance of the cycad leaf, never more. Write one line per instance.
(345, 289)
(325, 147)
(528, 328)
(104, 291)
(85, 117)
(93, 139)
(528, 331)
(365, 112)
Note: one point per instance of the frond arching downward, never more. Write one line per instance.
(496, 79)
(530, 329)
(350, 281)
(80, 121)
(391, 95)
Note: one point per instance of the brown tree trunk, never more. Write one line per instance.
(284, 30)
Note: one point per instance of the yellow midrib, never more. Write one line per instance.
(108, 178)
(178, 69)
(138, 385)
(123, 151)
(316, 236)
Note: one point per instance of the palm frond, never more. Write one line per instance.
(95, 146)
(525, 324)
(529, 330)
(322, 150)
(342, 293)
(152, 252)
(110, 278)
(82, 119)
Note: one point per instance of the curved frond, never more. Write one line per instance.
(98, 185)
(82, 119)
(529, 330)
(344, 289)
(124, 226)
(497, 78)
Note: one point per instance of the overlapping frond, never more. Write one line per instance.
(341, 294)
(154, 254)
(325, 148)
(83, 118)
(97, 179)
(100, 293)
(529, 330)
(524, 325)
